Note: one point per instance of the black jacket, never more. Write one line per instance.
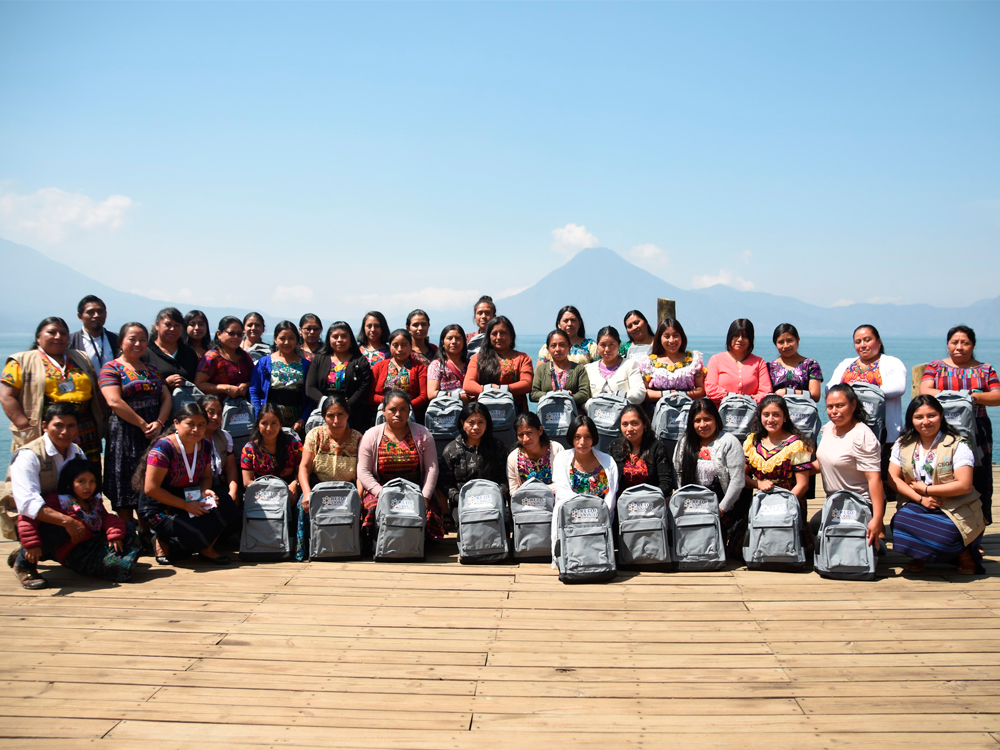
(183, 363)
(357, 386)
(461, 463)
(659, 463)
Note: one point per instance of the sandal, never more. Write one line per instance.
(914, 566)
(30, 579)
(966, 564)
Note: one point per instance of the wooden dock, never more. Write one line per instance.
(439, 655)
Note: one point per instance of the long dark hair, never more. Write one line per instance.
(352, 342)
(640, 316)
(491, 449)
(582, 331)
(909, 434)
(757, 426)
(489, 360)
(168, 313)
(691, 440)
(285, 325)
(530, 419)
(281, 448)
(206, 340)
(859, 413)
(658, 349)
(190, 409)
(70, 471)
(622, 447)
(442, 355)
(738, 326)
(53, 319)
(874, 330)
(782, 329)
(585, 422)
(384, 341)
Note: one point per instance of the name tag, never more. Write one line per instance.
(192, 494)
(66, 386)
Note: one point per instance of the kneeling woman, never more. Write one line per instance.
(708, 456)
(581, 470)
(178, 502)
(776, 455)
(939, 518)
(474, 454)
(533, 456)
(640, 457)
(398, 448)
(271, 451)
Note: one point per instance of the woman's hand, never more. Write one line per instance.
(299, 425)
(876, 530)
(175, 380)
(931, 503)
(765, 485)
(151, 429)
(33, 554)
(781, 391)
(305, 502)
(118, 546)
(195, 508)
(242, 390)
(210, 494)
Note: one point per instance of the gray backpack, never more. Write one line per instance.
(475, 343)
(237, 417)
(774, 534)
(671, 415)
(556, 409)
(266, 521)
(316, 417)
(606, 411)
(805, 416)
(842, 549)
(441, 417)
(380, 417)
(401, 515)
(184, 394)
(531, 509)
(334, 521)
(642, 526)
(585, 549)
(872, 399)
(960, 413)
(499, 401)
(482, 523)
(696, 529)
(737, 411)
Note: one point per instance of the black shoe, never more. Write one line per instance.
(12, 557)
(30, 578)
(162, 560)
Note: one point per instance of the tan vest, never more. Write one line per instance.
(48, 480)
(965, 511)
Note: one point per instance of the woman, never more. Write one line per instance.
(533, 456)
(196, 332)
(447, 370)
(310, 328)
(225, 476)
(271, 451)
(51, 373)
(178, 501)
(791, 372)
(140, 406)
(398, 448)
(253, 330)
(939, 517)
(498, 363)
(374, 337)
(738, 369)
(582, 470)
(340, 368)
(330, 454)
(280, 378)
(849, 455)
(401, 372)
(639, 456)
(418, 323)
(776, 455)
(482, 313)
(173, 359)
(671, 366)
(583, 351)
(559, 373)
(226, 369)
(961, 371)
(708, 456)
(612, 373)
(474, 454)
(640, 335)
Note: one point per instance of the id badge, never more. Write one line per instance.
(193, 494)
(66, 386)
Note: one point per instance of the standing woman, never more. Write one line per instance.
(961, 371)
(776, 455)
(611, 372)
(280, 378)
(140, 405)
(447, 370)
(713, 458)
(474, 454)
(582, 350)
(341, 368)
(671, 366)
(738, 369)
(225, 370)
(533, 456)
(52, 373)
(374, 337)
(271, 451)
(640, 335)
(849, 455)
(583, 470)
(398, 448)
(174, 360)
(225, 476)
(253, 330)
(559, 373)
(498, 363)
(639, 456)
(196, 332)
(939, 517)
(418, 323)
(401, 372)
(791, 372)
(310, 328)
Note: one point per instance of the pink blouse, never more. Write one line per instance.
(726, 375)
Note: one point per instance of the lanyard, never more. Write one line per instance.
(61, 367)
(98, 349)
(188, 467)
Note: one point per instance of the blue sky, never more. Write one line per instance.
(388, 154)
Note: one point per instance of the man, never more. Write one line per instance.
(99, 345)
(34, 472)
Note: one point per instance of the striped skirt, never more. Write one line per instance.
(925, 534)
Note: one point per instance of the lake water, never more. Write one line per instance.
(827, 351)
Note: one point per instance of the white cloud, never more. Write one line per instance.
(723, 277)
(504, 293)
(842, 303)
(572, 238)
(175, 295)
(649, 251)
(50, 213)
(746, 256)
(885, 300)
(298, 293)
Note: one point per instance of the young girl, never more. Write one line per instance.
(532, 458)
(110, 547)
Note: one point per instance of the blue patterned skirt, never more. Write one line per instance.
(925, 534)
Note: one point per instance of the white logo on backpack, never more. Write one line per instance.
(845, 514)
(402, 504)
(584, 515)
(479, 501)
(634, 508)
(336, 503)
(696, 505)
